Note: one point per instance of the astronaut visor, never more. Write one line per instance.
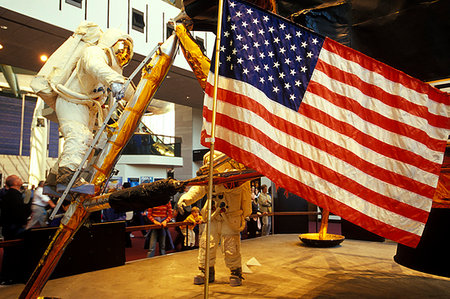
(123, 50)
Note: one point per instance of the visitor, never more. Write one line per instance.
(160, 216)
(252, 222)
(265, 206)
(14, 214)
(40, 202)
(194, 219)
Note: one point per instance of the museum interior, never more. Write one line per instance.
(303, 152)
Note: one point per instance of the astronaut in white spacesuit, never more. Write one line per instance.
(231, 205)
(80, 101)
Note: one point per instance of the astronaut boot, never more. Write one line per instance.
(200, 278)
(50, 185)
(236, 277)
(79, 186)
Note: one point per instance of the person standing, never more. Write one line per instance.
(252, 223)
(231, 205)
(160, 216)
(38, 207)
(14, 214)
(194, 219)
(2, 193)
(265, 205)
(180, 214)
(170, 173)
(28, 194)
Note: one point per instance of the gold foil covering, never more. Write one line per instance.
(199, 63)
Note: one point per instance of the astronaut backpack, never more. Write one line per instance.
(60, 65)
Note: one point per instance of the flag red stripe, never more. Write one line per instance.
(386, 71)
(381, 95)
(318, 198)
(374, 144)
(324, 144)
(316, 168)
(374, 117)
(321, 171)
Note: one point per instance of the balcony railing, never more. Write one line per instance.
(153, 144)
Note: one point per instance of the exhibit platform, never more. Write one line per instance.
(355, 269)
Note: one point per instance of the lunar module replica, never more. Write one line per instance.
(118, 126)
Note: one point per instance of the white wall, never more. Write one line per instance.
(135, 166)
(197, 123)
(67, 16)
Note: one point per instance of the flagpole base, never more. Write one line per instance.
(315, 240)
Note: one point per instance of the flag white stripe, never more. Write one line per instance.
(319, 156)
(389, 86)
(317, 183)
(370, 129)
(315, 127)
(376, 105)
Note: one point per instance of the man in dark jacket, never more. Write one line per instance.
(14, 214)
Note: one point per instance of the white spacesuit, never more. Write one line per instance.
(231, 205)
(79, 101)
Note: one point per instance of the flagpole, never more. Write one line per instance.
(211, 149)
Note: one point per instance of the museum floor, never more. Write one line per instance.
(356, 269)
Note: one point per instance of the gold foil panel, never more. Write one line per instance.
(199, 63)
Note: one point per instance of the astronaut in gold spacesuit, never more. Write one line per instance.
(231, 205)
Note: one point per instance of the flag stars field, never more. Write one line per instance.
(253, 49)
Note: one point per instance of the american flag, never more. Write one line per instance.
(332, 125)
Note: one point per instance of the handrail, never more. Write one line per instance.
(175, 224)
(162, 135)
(11, 243)
(154, 226)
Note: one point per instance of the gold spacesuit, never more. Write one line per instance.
(231, 205)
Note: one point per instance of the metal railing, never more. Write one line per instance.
(12, 243)
(153, 144)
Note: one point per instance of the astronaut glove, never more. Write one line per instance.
(117, 90)
(181, 204)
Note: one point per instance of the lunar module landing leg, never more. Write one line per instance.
(100, 167)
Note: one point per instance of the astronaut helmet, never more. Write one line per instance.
(123, 50)
(230, 165)
(119, 44)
